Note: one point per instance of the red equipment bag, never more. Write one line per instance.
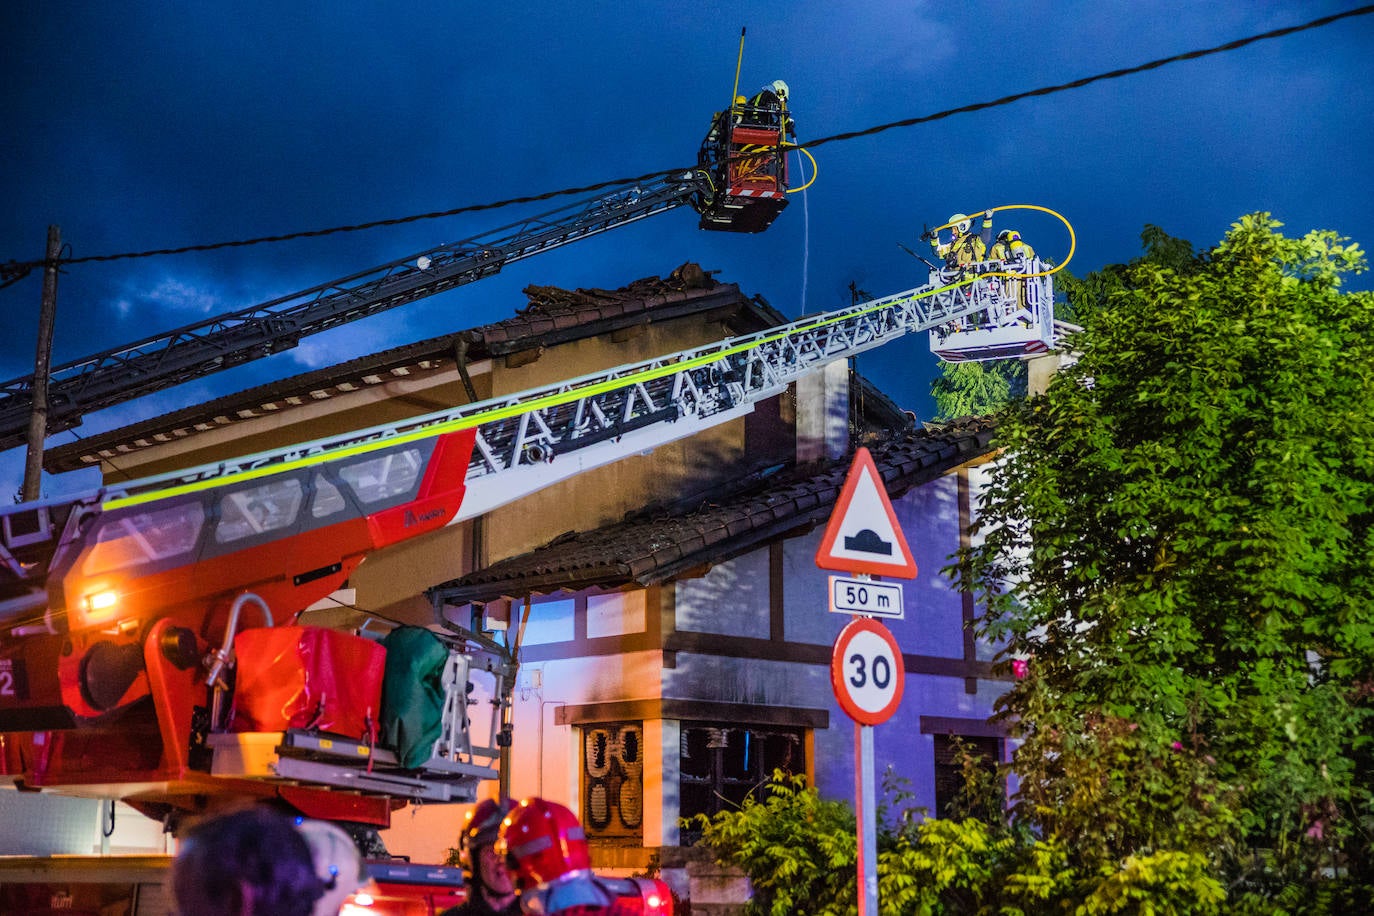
(307, 677)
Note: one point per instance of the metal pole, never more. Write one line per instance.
(42, 361)
(734, 93)
(866, 798)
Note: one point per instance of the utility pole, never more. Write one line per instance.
(42, 361)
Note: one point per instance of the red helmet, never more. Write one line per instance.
(543, 841)
(481, 827)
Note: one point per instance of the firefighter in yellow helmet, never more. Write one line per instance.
(963, 247)
(1017, 255)
(1010, 247)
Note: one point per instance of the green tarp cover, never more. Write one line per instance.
(412, 693)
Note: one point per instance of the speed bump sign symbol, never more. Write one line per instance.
(863, 535)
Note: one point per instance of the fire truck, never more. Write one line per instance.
(149, 643)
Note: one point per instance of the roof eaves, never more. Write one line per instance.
(737, 526)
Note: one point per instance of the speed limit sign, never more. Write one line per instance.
(866, 671)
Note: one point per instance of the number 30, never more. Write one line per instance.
(882, 671)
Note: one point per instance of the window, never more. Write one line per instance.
(328, 500)
(378, 478)
(128, 538)
(258, 510)
(613, 779)
(720, 765)
(950, 779)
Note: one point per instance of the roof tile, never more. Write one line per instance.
(653, 548)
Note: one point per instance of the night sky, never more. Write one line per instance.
(151, 125)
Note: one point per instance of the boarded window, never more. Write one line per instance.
(613, 779)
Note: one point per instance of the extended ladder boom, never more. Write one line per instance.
(197, 350)
(519, 444)
(133, 594)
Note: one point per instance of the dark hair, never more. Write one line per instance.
(251, 862)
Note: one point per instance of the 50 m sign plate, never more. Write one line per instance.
(862, 596)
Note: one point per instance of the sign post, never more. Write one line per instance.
(867, 675)
(863, 537)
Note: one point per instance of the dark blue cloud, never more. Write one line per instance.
(136, 126)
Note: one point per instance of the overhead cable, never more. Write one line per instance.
(16, 269)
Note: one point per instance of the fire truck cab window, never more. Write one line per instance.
(258, 510)
(384, 476)
(127, 540)
(328, 499)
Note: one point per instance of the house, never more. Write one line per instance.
(673, 630)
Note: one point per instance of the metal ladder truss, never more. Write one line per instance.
(1020, 325)
(197, 350)
(529, 440)
(672, 395)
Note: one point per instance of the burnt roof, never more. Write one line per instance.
(552, 316)
(657, 544)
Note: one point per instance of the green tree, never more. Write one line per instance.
(799, 854)
(975, 389)
(1180, 538)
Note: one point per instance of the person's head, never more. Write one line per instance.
(1008, 236)
(483, 869)
(959, 223)
(542, 841)
(250, 862)
(338, 864)
(779, 89)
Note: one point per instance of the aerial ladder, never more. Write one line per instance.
(739, 184)
(128, 614)
(135, 619)
(131, 616)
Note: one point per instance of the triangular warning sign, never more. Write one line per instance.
(863, 535)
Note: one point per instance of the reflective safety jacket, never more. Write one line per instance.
(1015, 250)
(961, 250)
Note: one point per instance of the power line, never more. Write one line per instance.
(12, 271)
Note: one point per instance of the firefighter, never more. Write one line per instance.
(250, 862)
(338, 863)
(963, 248)
(770, 103)
(1015, 253)
(1009, 247)
(545, 846)
(490, 884)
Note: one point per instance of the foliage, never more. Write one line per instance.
(977, 388)
(1181, 536)
(798, 851)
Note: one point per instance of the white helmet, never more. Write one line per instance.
(960, 222)
(779, 89)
